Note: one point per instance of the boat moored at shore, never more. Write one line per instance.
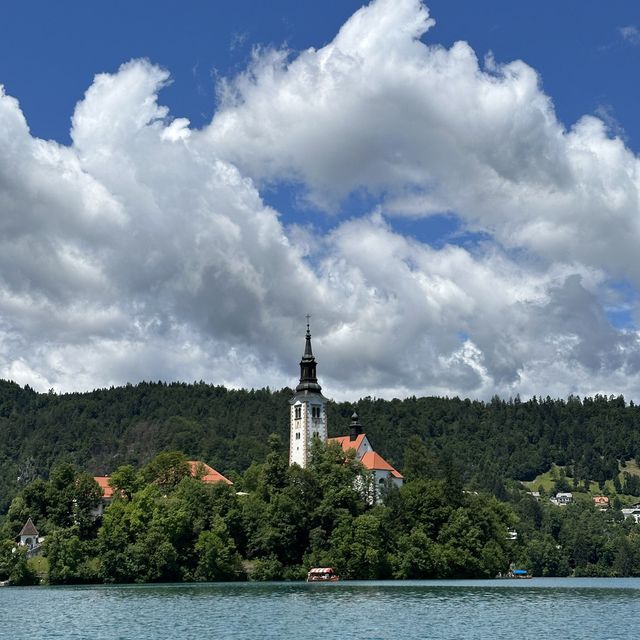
(322, 574)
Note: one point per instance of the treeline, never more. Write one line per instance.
(278, 521)
(491, 442)
(164, 525)
(103, 429)
(577, 539)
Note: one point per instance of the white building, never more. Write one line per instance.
(632, 512)
(308, 410)
(382, 475)
(308, 419)
(562, 498)
(29, 536)
(107, 496)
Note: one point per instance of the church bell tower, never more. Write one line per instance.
(308, 408)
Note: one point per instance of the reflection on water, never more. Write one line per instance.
(538, 608)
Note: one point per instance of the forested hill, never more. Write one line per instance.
(486, 442)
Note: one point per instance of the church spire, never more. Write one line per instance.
(308, 353)
(308, 378)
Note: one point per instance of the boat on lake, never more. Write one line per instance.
(322, 574)
(521, 574)
(518, 574)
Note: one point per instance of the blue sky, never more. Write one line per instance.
(448, 252)
(48, 56)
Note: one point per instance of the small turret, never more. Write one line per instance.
(355, 429)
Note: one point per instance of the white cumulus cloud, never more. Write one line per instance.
(145, 250)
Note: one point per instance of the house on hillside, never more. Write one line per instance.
(601, 502)
(562, 498)
(632, 512)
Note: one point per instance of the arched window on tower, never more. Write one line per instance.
(298, 412)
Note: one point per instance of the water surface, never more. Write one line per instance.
(539, 608)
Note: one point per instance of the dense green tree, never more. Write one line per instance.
(418, 556)
(15, 567)
(359, 547)
(218, 558)
(123, 524)
(70, 558)
(6, 559)
(166, 470)
(34, 505)
(419, 460)
(125, 481)
(423, 503)
(60, 494)
(267, 568)
(543, 557)
(152, 557)
(19, 511)
(462, 545)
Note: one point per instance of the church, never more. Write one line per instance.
(308, 419)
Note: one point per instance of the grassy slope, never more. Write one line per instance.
(547, 481)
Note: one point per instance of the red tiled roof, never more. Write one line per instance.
(103, 481)
(210, 474)
(375, 462)
(347, 444)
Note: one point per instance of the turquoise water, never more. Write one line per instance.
(538, 608)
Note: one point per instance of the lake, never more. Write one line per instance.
(539, 608)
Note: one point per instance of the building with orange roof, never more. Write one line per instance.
(360, 442)
(207, 474)
(308, 419)
(103, 483)
(382, 474)
(107, 496)
(198, 469)
(375, 462)
(601, 502)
